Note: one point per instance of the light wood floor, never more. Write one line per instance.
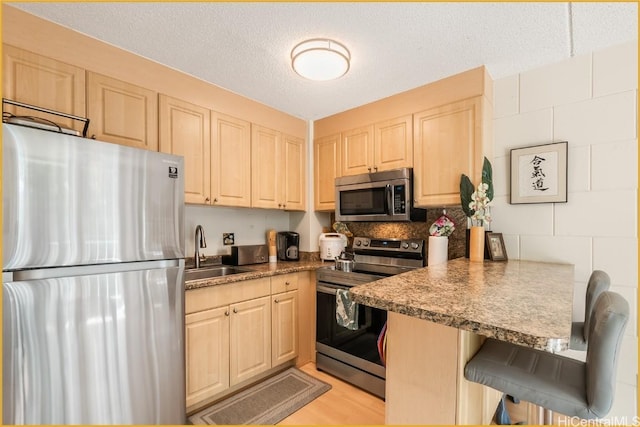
(344, 404)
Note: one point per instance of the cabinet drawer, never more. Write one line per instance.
(230, 293)
(284, 282)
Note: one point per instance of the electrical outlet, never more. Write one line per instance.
(228, 238)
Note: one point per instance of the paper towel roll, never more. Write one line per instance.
(438, 248)
(271, 243)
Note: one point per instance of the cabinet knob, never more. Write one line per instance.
(207, 200)
(287, 283)
(279, 205)
(375, 169)
(276, 300)
(284, 205)
(215, 200)
(226, 313)
(235, 310)
(369, 169)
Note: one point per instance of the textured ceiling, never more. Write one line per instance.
(245, 47)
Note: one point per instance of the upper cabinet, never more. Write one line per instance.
(277, 170)
(393, 144)
(441, 130)
(357, 151)
(267, 166)
(230, 161)
(121, 112)
(382, 146)
(295, 173)
(326, 168)
(44, 82)
(185, 130)
(447, 144)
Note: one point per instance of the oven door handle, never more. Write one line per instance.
(327, 289)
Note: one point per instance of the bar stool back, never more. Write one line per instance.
(598, 283)
(561, 384)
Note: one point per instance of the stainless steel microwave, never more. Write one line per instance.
(378, 196)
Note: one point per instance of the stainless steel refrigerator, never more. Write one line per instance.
(93, 282)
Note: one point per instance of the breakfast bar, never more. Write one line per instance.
(438, 317)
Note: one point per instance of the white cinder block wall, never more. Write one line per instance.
(591, 102)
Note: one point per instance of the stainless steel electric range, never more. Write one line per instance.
(353, 355)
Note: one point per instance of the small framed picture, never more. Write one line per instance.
(539, 174)
(495, 246)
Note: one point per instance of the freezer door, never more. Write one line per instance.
(95, 349)
(74, 201)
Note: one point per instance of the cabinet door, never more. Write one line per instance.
(250, 339)
(267, 168)
(122, 113)
(295, 188)
(185, 131)
(207, 354)
(357, 151)
(393, 144)
(284, 327)
(447, 144)
(326, 159)
(43, 82)
(230, 161)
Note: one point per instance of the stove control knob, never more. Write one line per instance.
(405, 245)
(414, 245)
(358, 243)
(365, 242)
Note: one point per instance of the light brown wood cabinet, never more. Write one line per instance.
(185, 130)
(284, 318)
(207, 354)
(448, 143)
(121, 112)
(44, 82)
(235, 333)
(295, 173)
(357, 151)
(250, 339)
(230, 161)
(327, 167)
(382, 146)
(277, 170)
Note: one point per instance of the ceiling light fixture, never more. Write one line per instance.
(320, 59)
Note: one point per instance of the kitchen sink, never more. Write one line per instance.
(211, 272)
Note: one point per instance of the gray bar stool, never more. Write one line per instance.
(598, 283)
(558, 383)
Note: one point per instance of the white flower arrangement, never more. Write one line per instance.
(475, 201)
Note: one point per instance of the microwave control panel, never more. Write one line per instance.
(399, 202)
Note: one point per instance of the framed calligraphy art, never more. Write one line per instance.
(539, 174)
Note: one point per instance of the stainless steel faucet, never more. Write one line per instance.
(199, 243)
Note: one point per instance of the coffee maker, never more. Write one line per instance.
(288, 243)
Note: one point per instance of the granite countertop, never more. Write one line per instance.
(256, 271)
(524, 302)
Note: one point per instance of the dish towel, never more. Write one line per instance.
(346, 310)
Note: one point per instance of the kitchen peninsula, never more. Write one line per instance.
(438, 317)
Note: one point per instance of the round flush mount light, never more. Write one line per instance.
(320, 59)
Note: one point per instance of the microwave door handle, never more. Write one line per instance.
(388, 200)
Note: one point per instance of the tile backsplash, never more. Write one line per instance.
(417, 230)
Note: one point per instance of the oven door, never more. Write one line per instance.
(357, 348)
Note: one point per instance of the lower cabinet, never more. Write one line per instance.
(207, 354)
(284, 327)
(250, 352)
(235, 332)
